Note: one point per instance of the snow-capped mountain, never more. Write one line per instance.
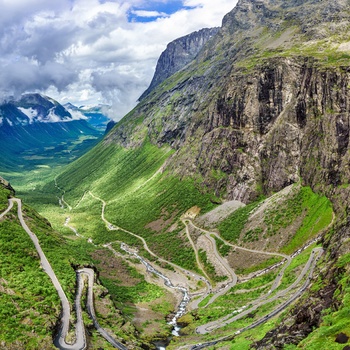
(35, 108)
(37, 124)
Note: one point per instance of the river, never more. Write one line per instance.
(183, 304)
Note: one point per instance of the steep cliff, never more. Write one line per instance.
(178, 54)
(265, 102)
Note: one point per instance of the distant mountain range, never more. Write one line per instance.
(94, 114)
(36, 127)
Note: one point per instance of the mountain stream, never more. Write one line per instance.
(184, 302)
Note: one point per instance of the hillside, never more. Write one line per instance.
(260, 118)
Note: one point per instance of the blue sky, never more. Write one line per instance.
(151, 10)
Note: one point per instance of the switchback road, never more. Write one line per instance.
(80, 337)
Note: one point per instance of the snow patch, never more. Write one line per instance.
(31, 113)
(52, 117)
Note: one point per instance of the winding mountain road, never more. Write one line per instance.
(245, 310)
(230, 271)
(203, 329)
(80, 337)
(59, 341)
(112, 227)
(91, 310)
(310, 266)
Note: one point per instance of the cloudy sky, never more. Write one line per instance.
(93, 51)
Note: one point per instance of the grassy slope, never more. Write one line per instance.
(30, 306)
(29, 302)
(136, 194)
(316, 211)
(335, 320)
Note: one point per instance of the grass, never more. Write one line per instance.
(4, 194)
(223, 248)
(29, 302)
(324, 51)
(318, 215)
(136, 195)
(209, 268)
(231, 301)
(232, 227)
(334, 320)
(269, 262)
(292, 271)
(315, 211)
(30, 306)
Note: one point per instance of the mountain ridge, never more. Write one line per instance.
(177, 55)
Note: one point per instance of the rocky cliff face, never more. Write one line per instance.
(178, 54)
(264, 104)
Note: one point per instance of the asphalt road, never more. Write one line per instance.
(90, 307)
(310, 266)
(80, 338)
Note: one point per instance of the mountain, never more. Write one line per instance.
(178, 54)
(37, 127)
(259, 116)
(95, 115)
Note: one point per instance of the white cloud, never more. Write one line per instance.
(86, 51)
(142, 13)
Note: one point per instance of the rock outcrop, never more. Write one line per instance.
(5, 184)
(178, 54)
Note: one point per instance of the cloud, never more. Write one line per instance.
(22, 76)
(143, 13)
(90, 51)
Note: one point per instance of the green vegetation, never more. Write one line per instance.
(140, 292)
(29, 302)
(263, 265)
(4, 194)
(293, 270)
(231, 301)
(209, 268)
(223, 248)
(304, 214)
(317, 215)
(336, 319)
(30, 306)
(136, 195)
(232, 227)
(325, 52)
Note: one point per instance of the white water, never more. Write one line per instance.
(185, 299)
